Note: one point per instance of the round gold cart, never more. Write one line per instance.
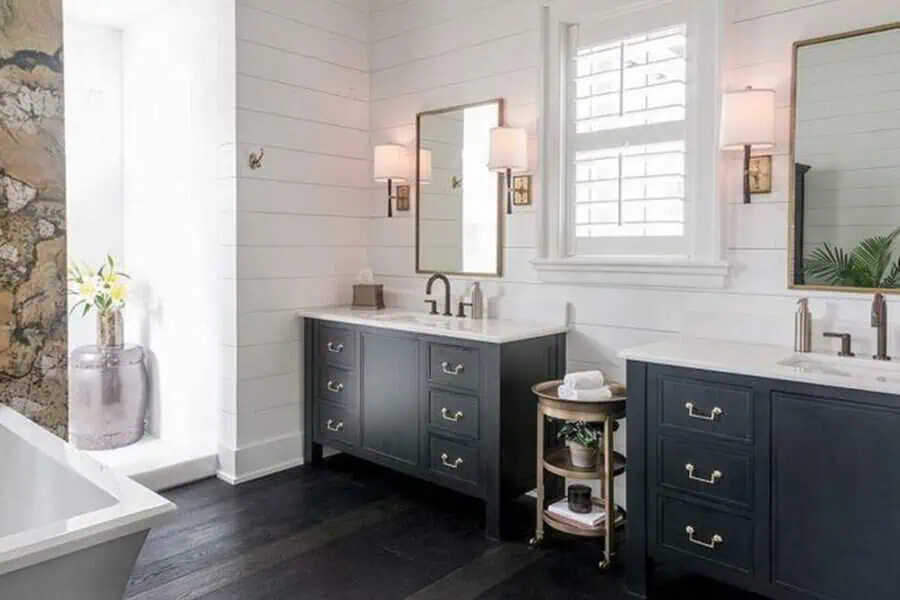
(557, 462)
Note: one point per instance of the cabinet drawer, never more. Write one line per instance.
(454, 366)
(337, 346)
(706, 533)
(336, 424)
(710, 408)
(454, 460)
(709, 472)
(339, 386)
(453, 412)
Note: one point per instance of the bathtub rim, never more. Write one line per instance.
(136, 508)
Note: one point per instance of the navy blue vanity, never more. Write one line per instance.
(772, 483)
(442, 399)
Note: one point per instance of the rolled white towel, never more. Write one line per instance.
(585, 380)
(595, 395)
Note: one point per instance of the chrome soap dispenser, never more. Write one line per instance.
(803, 327)
(477, 301)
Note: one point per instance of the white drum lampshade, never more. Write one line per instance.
(748, 119)
(509, 150)
(390, 163)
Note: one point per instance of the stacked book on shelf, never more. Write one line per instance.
(591, 520)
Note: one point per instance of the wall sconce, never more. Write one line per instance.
(391, 167)
(509, 154)
(748, 122)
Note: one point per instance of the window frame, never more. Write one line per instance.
(703, 264)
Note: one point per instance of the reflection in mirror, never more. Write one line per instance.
(846, 154)
(458, 220)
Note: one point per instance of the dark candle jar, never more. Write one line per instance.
(580, 499)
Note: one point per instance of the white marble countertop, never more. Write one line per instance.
(494, 331)
(773, 362)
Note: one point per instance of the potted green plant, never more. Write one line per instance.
(871, 264)
(583, 440)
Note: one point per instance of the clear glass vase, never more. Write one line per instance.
(110, 330)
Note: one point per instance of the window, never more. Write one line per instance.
(628, 101)
(630, 116)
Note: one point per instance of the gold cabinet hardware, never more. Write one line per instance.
(453, 418)
(445, 367)
(714, 477)
(334, 428)
(445, 460)
(335, 389)
(716, 539)
(337, 349)
(712, 416)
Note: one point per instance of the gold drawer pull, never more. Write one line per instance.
(445, 460)
(445, 367)
(453, 418)
(714, 477)
(334, 428)
(335, 389)
(712, 416)
(337, 349)
(716, 539)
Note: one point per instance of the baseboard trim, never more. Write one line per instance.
(237, 466)
(259, 473)
(172, 476)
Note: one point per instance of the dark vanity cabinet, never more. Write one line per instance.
(789, 490)
(454, 412)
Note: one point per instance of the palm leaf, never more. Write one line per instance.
(893, 277)
(831, 265)
(874, 255)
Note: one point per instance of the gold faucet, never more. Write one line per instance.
(879, 321)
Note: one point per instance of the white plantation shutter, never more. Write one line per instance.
(628, 104)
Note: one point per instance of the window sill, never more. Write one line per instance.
(633, 271)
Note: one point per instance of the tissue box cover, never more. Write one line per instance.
(368, 295)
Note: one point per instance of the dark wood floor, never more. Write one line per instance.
(350, 530)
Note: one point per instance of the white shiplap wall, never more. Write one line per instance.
(320, 82)
(426, 54)
(429, 54)
(302, 92)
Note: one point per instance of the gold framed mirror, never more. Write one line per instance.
(844, 194)
(459, 201)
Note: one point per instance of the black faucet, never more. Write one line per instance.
(879, 321)
(431, 280)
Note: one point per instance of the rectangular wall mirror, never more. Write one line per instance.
(459, 201)
(845, 153)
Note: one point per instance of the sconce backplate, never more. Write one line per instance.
(761, 174)
(521, 190)
(402, 198)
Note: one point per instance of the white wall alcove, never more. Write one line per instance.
(143, 130)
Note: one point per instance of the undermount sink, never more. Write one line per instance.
(430, 320)
(855, 368)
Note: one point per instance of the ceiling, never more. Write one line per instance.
(116, 14)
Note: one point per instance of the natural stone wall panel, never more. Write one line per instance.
(33, 354)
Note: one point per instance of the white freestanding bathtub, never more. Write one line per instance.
(70, 528)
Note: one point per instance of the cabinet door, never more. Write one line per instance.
(836, 498)
(390, 397)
